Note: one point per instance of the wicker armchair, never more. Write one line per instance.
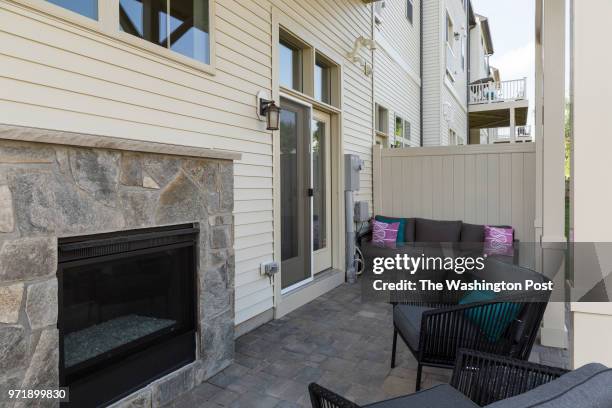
(506, 323)
(487, 378)
(435, 334)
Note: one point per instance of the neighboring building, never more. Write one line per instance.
(498, 109)
(397, 80)
(445, 71)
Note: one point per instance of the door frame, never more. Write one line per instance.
(285, 303)
(325, 117)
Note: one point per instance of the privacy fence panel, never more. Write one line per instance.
(481, 184)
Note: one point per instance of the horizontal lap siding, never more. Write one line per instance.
(458, 115)
(57, 75)
(432, 72)
(494, 185)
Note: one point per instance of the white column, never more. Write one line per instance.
(512, 125)
(554, 332)
(592, 200)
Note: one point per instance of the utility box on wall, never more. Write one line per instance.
(352, 166)
(362, 213)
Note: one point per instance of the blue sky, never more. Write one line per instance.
(512, 28)
(512, 24)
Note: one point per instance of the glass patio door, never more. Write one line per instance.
(321, 185)
(296, 200)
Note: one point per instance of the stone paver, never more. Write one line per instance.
(336, 341)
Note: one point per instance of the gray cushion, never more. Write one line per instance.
(440, 396)
(472, 232)
(410, 230)
(587, 387)
(437, 231)
(407, 318)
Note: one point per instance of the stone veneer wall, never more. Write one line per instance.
(50, 191)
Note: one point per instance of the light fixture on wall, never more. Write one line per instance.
(268, 109)
(355, 57)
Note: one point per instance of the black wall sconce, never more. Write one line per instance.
(269, 110)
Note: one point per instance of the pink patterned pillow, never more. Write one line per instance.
(498, 241)
(385, 234)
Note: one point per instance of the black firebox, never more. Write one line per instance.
(127, 312)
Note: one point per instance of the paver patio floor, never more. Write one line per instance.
(336, 341)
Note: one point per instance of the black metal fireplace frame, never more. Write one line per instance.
(122, 375)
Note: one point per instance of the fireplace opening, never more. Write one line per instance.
(126, 310)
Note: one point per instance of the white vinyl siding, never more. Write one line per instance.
(444, 94)
(432, 71)
(397, 66)
(56, 74)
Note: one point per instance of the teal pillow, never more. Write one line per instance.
(401, 232)
(493, 320)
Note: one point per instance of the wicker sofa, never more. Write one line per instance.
(496, 382)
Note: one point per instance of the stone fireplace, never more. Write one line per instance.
(56, 188)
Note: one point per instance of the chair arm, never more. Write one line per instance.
(486, 378)
(321, 397)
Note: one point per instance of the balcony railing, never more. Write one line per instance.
(502, 135)
(503, 91)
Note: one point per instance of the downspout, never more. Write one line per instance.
(421, 66)
(468, 69)
(373, 102)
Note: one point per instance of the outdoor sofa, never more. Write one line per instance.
(481, 380)
(436, 324)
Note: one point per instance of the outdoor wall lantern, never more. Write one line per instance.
(269, 110)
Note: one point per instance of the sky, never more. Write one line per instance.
(512, 24)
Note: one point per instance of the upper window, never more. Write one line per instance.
(290, 65)
(322, 80)
(87, 8)
(409, 10)
(180, 25)
(382, 119)
(450, 31)
(399, 132)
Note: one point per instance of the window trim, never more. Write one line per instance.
(449, 35)
(107, 26)
(377, 117)
(402, 139)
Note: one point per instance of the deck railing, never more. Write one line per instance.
(502, 135)
(492, 92)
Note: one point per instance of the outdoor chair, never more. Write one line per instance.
(434, 333)
(505, 324)
(481, 379)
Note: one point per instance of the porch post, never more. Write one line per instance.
(591, 165)
(512, 125)
(552, 158)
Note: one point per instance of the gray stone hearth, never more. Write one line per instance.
(51, 190)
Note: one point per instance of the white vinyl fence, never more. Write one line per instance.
(480, 184)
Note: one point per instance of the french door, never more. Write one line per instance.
(305, 179)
